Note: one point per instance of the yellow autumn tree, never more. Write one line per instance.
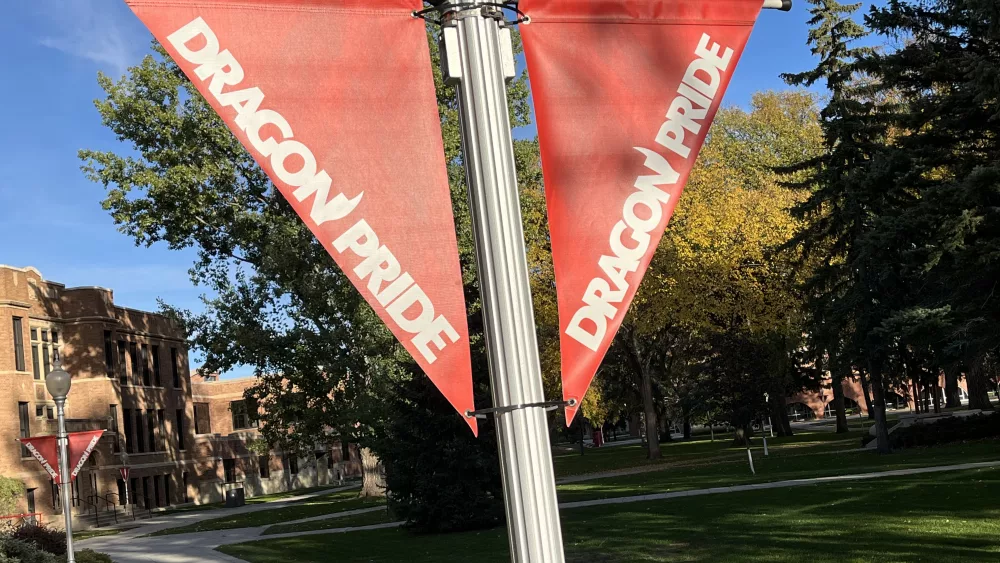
(720, 265)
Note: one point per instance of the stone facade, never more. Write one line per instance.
(131, 377)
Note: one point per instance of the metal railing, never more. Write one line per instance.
(32, 517)
(108, 504)
(97, 512)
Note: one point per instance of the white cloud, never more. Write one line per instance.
(89, 29)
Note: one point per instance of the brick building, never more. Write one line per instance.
(811, 405)
(184, 438)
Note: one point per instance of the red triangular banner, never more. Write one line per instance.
(335, 100)
(46, 450)
(625, 92)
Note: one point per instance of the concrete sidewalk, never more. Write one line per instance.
(200, 547)
(127, 546)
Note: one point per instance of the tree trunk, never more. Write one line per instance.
(881, 427)
(652, 428)
(916, 396)
(838, 403)
(742, 435)
(373, 475)
(866, 391)
(936, 389)
(779, 414)
(952, 396)
(979, 387)
(687, 424)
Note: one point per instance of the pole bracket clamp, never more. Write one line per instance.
(547, 405)
(486, 10)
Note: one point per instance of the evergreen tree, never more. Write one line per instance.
(845, 294)
(949, 230)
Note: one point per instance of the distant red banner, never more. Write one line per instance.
(335, 100)
(46, 450)
(625, 92)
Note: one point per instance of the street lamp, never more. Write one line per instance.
(58, 382)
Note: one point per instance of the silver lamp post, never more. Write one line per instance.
(58, 382)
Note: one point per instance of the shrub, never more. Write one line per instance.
(91, 556)
(18, 551)
(11, 490)
(952, 429)
(46, 539)
(440, 477)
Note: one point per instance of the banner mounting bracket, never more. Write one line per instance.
(547, 405)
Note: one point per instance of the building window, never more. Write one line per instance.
(113, 423)
(46, 355)
(22, 411)
(146, 502)
(264, 463)
(290, 463)
(161, 424)
(36, 364)
(140, 438)
(184, 485)
(156, 490)
(151, 429)
(128, 429)
(146, 374)
(241, 416)
(133, 352)
(345, 451)
(122, 495)
(45, 411)
(156, 366)
(109, 354)
(175, 368)
(229, 469)
(18, 344)
(202, 420)
(166, 489)
(180, 429)
(55, 495)
(122, 367)
(47, 346)
(134, 490)
(30, 495)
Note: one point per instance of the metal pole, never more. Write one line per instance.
(478, 59)
(65, 483)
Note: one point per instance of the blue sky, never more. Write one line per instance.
(52, 51)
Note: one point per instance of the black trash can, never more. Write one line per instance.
(235, 498)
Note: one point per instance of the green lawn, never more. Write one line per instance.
(696, 451)
(781, 465)
(100, 532)
(274, 497)
(944, 517)
(288, 494)
(332, 503)
(366, 519)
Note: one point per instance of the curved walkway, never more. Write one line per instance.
(128, 547)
